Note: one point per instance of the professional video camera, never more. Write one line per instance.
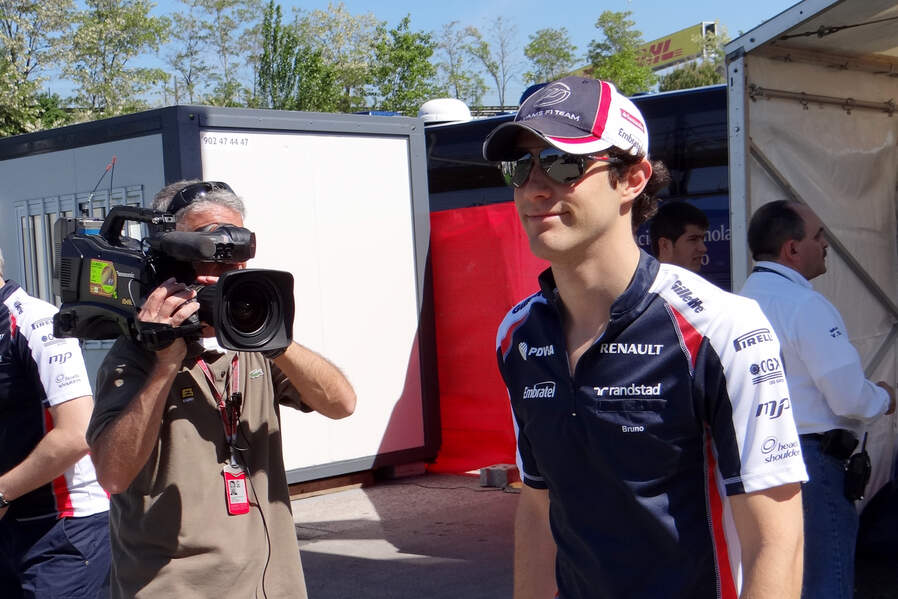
(103, 277)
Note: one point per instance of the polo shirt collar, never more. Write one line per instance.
(788, 272)
(631, 298)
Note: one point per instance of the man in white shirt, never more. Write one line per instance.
(831, 400)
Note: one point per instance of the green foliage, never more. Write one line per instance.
(190, 71)
(292, 75)
(711, 70)
(347, 44)
(403, 76)
(457, 77)
(226, 28)
(107, 36)
(614, 57)
(497, 58)
(551, 55)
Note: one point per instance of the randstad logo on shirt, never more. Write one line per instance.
(538, 352)
(752, 338)
(633, 390)
(544, 390)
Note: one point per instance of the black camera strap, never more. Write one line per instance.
(229, 402)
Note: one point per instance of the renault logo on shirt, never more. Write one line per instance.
(642, 349)
(543, 390)
(538, 352)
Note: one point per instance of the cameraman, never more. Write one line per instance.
(199, 494)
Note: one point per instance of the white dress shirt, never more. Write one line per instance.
(823, 369)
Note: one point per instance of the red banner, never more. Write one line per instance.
(482, 266)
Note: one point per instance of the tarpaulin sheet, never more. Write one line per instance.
(482, 267)
(844, 163)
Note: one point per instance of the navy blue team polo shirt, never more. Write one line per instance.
(680, 403)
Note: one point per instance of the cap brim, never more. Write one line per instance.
(502, 143)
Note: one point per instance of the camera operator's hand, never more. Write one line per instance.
(170, 303)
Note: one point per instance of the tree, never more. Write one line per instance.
(228, 30)
(190, 69)
(455, 71)
(551, 54)
(30, 35)
(710, 70)
(347, 44)
(292, 75)
(108, 35)
(403, 75)
(614, 58)
(496, 58)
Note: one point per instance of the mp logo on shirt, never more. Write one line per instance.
(538, 352)
(543, 390)
(59, 358)
(773, 409)
(752, 338)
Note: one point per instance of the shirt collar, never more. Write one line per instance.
(636, 290)
(788, 272)
(8, 289)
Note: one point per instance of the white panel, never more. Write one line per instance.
(336, 211)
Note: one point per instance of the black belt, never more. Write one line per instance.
(838, 442)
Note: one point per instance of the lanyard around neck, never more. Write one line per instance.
(230, 403)
(776, 272)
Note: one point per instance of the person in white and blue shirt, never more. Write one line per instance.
(832, 401)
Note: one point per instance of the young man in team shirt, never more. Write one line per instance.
(54, 516)
(653, 464)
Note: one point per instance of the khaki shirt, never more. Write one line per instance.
(170, 530)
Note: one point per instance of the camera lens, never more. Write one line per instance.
(247, 309)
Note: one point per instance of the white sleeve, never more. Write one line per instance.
(834, 363)
(60, 363)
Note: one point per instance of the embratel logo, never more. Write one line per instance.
(773, 409)
(835, 332)
(552, 95)
(766, 370)
(538, 352)
(632, 119)
(686, 295)
(544, 390)
(18, 306)
(755, 337)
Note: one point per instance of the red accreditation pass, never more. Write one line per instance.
(235, 490)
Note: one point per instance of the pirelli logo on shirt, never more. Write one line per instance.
(755, 337)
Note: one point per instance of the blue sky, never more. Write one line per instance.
(654, 18)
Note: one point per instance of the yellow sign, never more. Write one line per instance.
(676, 47)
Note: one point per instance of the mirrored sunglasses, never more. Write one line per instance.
(558, 166)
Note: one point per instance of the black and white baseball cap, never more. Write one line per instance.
(577, 115)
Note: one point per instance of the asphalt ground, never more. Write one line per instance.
(430, 536)
(440, 537)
